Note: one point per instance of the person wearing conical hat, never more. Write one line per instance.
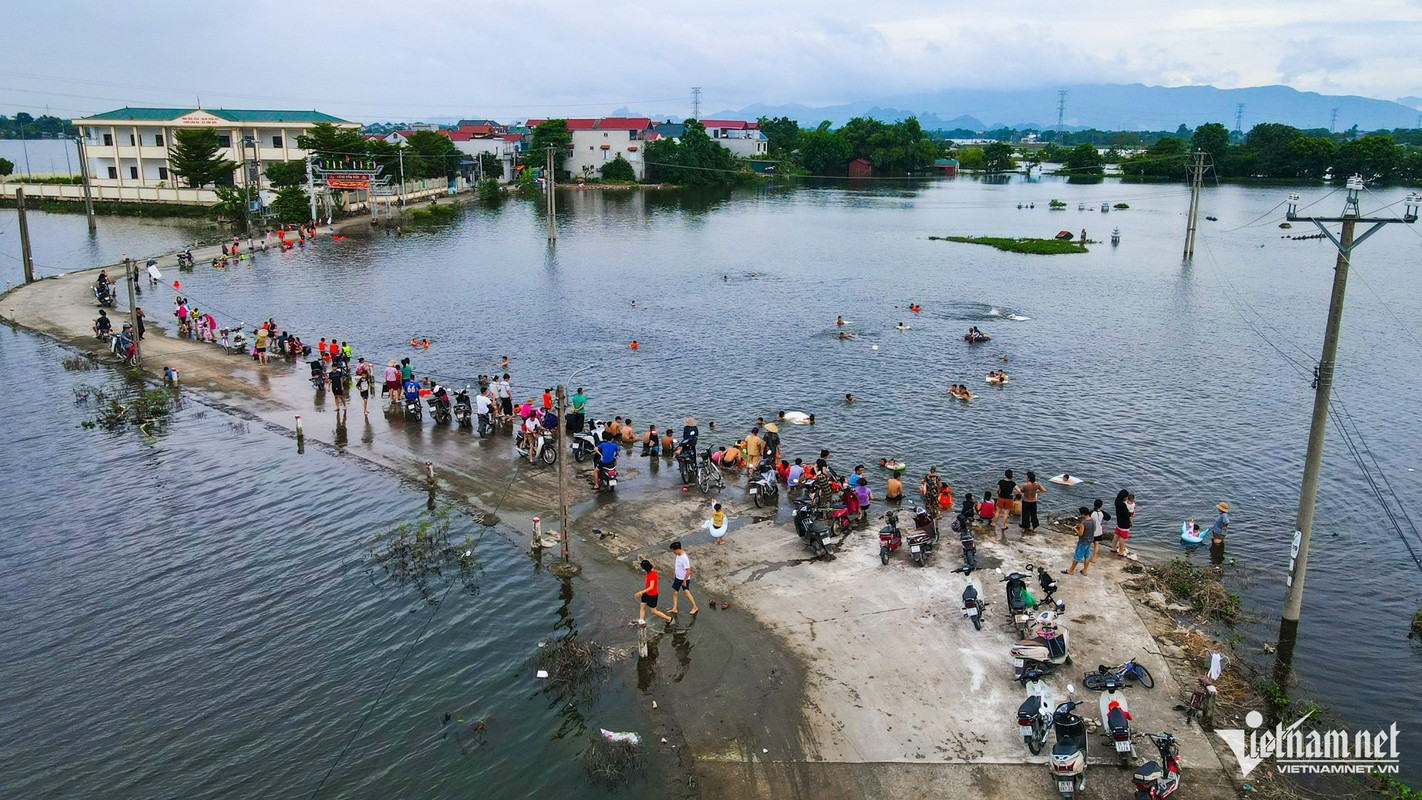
(1220, 528)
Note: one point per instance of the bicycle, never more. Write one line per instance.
(709, 475)
(1203, 697)
(1096, 681)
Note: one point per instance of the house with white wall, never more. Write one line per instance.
(745, 139)
(128, 147)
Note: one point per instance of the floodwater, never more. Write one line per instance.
(196, 616)
(1187, 384)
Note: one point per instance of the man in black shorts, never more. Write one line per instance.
(1006, 488)
(338, 385)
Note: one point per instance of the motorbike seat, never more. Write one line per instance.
(1029, 707)
(1116, 720)
(1067, 745)
(1148, 772)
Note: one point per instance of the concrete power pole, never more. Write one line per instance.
(84, 177)
(1323, 390)
(311, 184)
(402, 176)
(25, 258)
(552, 201)
(563, 472)
(130, 271)
(1192, 222)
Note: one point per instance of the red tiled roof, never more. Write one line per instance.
(511, 137)
(581, 124)
(476, 130)
(620, 123)
(456, 136)
(733, 124)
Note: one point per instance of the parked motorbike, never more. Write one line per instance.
(318, 374)
(1116, 718)
(585, 442)
(686, 463)
(970, 550)
(1020, 602)
(1047, 648)
(463, 409)
(543, 445)
(1068, 763)
(925, 536)
(973, 606)
(764, 487)
(104, 294)
(486, 425)
(891, 539)
(128, 356)
(439, 409)
(1157, 779)
(1034, 716)
(413, 407)
(815, 534)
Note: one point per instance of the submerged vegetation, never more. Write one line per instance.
(424, 555)
(1041, 247)
(134, 405)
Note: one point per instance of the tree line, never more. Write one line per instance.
(1274, 151)
(27, 126)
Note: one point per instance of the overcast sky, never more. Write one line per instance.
(406, 59)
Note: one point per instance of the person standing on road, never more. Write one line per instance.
(363, 386)
(1085, 540)
(1125, 515)
(681, 578)
(261, 345)
(648, 595)
(755, 448)
(1100, 516)
(392, 380)
(1030, 490)
(504, 395)
(930, 487)
(338, 386)
(1006, 489)
(577, 407)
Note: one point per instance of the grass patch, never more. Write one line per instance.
(575, 666)
(1201, 587)
(1121, 206)
(1057, 204)
(1040, 247)
(612, 763)
(434, 215)
(1416, 625)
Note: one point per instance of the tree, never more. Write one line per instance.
(491, 165)
(1375, 157)
(1084, 160)
(285, 173)
(822, 152)
(1164, 159)
(997, 157)
(194, 158)
(971, 159)
(618, 169)
(232, 204)
(1268, 143)
(1213, 138)
(434, 156)
(552, 133)
(6, 167)
(782, 135)
(329, 143)
(292, 205)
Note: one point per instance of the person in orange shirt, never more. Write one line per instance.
(648, 595)
(321, 348)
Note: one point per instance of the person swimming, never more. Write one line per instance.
(848, 398)
(902, 326)
(839, 321)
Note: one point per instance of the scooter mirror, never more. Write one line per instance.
(998, 570)
(1071, 689)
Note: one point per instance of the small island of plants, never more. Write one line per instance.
(1041, 247)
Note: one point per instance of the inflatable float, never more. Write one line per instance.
(1064, 479)
(895, 467)
(1190, 533)
(797, 418)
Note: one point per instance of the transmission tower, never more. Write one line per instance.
(1333, 122)
(1061, 109)
(1239, 118)
(696, 102)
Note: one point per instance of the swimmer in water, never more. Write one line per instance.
(812, 419)
(425, 343)
(634, 303)
(839, 321)
(902, 326)
(848, 398)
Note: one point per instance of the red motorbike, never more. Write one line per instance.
(890, 538)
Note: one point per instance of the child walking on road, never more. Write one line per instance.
(648, 595)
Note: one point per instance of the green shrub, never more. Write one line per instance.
(618, 169)
(1041, 247)
(1057, 203)
(489, 191)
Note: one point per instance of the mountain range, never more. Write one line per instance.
(1108, 107)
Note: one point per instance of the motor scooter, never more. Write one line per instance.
(1048, 647)
(815, 534)
(104, 293)
(973, 605)
(764, 487)
(463, 409)
(542, 445)
(925, 536)
(890, 538)
(1068, 762)
(607, 476)
(1020, 602)
(585, 441)
(970, 550)
(1157, 779)
(1116, 718)
(439, 408)
(126, 353)
(1034, 716)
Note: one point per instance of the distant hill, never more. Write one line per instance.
(1108, 107)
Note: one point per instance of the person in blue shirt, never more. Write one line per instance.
(606, 457)
(1221, 525)
(412, 390)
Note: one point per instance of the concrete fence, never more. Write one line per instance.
(124, 194)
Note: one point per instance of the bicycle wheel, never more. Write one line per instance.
(1143, 675)
(704, 481)
(1095, 681)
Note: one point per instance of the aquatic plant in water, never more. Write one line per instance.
(424, 555)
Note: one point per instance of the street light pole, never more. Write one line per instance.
(1346, 242)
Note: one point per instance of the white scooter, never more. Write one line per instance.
(585, 442)
(1068, 764)
(1116, 718)
(542, 445)
(1034, 716)
(1048, 648)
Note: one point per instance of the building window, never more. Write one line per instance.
(276, 141)
(157, 140)
(113, 173)
(132, 140)
(108, 140)
(133, 173)
(162, 173)
(224, 140)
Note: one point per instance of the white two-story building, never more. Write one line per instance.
(129, 147)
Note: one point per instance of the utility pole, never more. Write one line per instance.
(1323, 389)
(129, 273)
(84, 177)
(1061, 112)
(1333, 122)
(1192, 222)
(563, 472)
(402, 176)
(552, 202)
(311, 184)
(696, 102)
(1239, 118)
(25, 257)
